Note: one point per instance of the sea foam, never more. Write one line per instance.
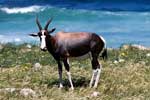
(22, 9)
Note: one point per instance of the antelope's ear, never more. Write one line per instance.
(51, 31)
(33, 34)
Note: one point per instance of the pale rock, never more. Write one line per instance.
(95, 94)
(29, 46)
(27, 92)
(125, 47)
(121, 60)
(1, 47)
(140, 47)
(142, 62)
(9, 90)
(37, 66)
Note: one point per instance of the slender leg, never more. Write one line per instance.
(97, 77)
(66, 64)
(93, 77)
(96, 72)
(60, 74)
(70, 80)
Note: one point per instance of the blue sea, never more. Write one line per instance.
(118, 21)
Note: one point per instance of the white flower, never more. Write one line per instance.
(148, 55)
(115, 62)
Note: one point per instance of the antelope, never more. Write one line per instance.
(64, 45)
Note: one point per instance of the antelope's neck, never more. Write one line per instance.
(51, 44)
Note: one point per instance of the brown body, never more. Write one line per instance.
(72, 44)
(75, 44)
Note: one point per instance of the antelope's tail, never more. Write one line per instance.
(104, 53)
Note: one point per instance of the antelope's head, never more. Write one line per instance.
(43, 33)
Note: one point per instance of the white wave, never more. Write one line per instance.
(1, 36)
(145, 13)
(4, 39)
(17, 39)
(116, 13)
(23, 9)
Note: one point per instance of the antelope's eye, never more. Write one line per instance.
(45, 33)
(39, 33)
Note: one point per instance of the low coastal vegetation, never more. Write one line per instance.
(26, 73)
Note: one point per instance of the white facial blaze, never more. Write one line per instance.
(43, 42)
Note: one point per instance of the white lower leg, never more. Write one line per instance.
(93, 77)
(60, 85)
(97, 77)
(70, 80)
(60, 80)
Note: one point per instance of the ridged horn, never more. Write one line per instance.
(48, 22)
(38, 23)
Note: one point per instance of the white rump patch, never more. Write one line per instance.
(103, 41)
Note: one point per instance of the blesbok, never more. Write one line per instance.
(72, 44)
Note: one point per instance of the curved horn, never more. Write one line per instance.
(38, 23)
(48, 22)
